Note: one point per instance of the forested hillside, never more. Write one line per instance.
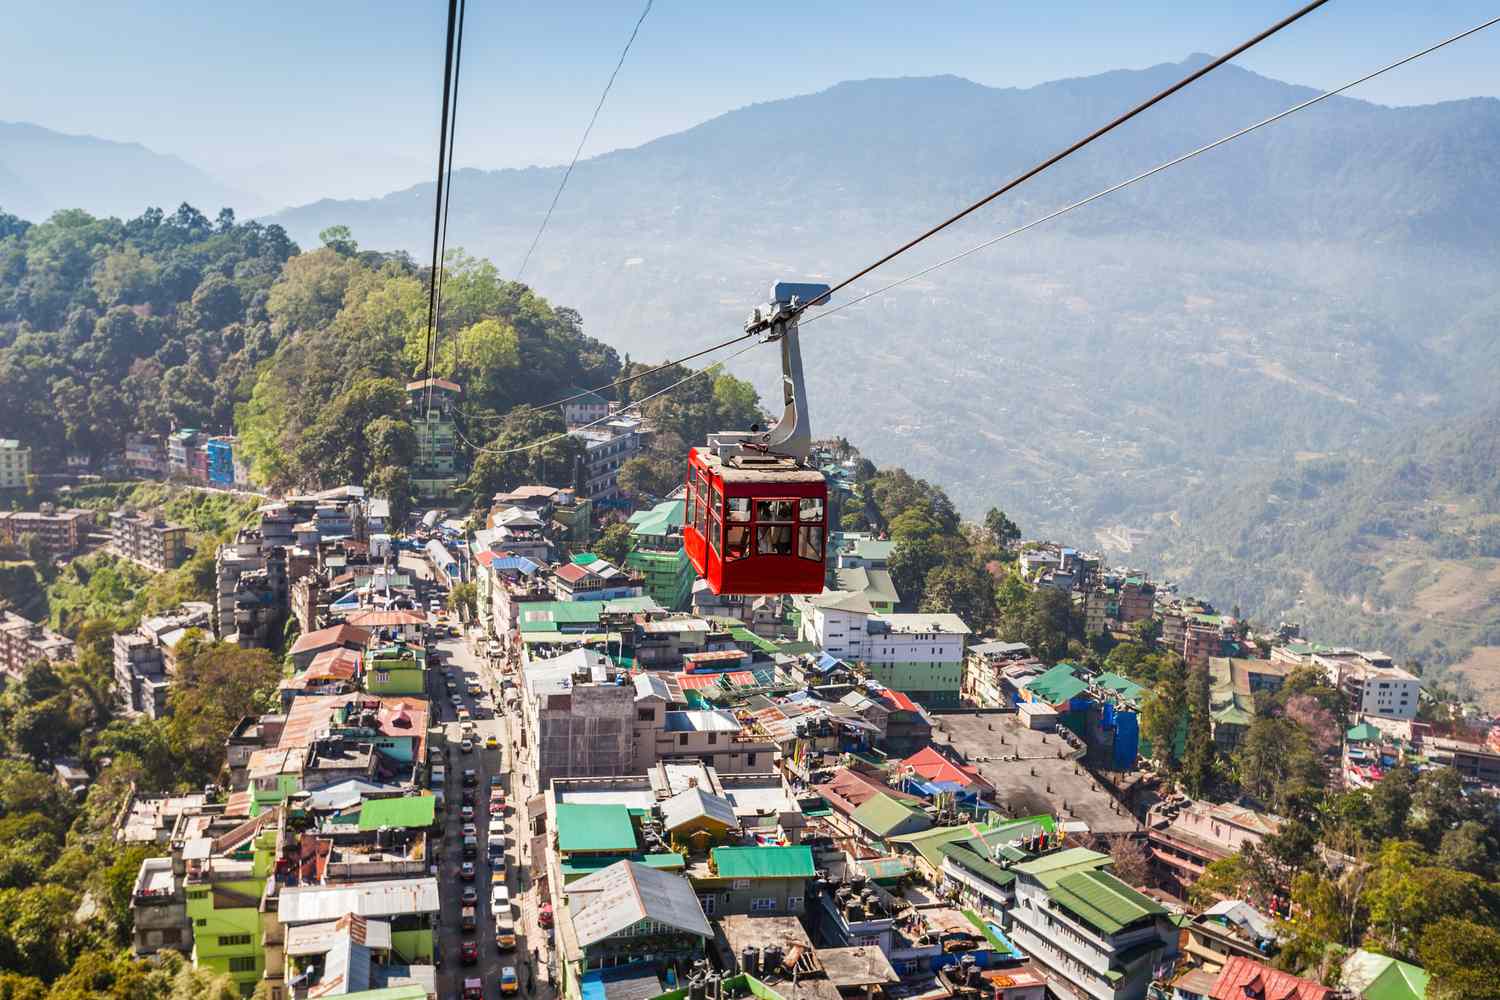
(1397, 546)
(109, 328)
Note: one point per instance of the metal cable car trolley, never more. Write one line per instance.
(756, 515)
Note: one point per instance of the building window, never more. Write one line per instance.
(741, 883)
(682, 739)
(764, 904)
(645, 715)
(793, 903)
(200, 922)
(749, 760)
(228, 940)
(245, 964)
(197, 894)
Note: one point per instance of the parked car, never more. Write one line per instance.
(470, 896)
(508, 981)
(471, 777)
(468, 952)
(505, 934)
(466, 870)
(474, 988)
(466, 813)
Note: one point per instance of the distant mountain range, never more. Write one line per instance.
(42, 171)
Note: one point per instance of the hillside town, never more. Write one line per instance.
(524, 749)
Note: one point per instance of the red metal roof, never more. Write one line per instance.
(337, 664)
(1245, 979)
(334, 635)
(897, 700)
(381, 619)
(933, 766)
(572, 573)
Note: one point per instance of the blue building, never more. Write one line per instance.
(220, 452)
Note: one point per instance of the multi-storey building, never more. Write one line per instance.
(59, 531)
(23, 642)
(1092, 935)
(147, 540)
(985, 666)
(15, 464)
(1187, 836)
(607, 447)
(431, 403)
(656, 553)
(1372, 683)
(921, 655)
(585, 408)
(594, 580)
(145, 660)
(219, 456)
(186, 458)
(145, 457)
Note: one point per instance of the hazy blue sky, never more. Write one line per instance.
(295, 100)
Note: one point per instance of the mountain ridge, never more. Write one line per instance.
(43, 170)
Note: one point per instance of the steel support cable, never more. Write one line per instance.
(605, 419)
(437, 211)
(437, 318)
(1155, 170)
(579, 151)
(1075, 147)
(1085, 201)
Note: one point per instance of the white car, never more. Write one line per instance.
(500, 900)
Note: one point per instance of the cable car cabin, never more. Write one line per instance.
(755, 523)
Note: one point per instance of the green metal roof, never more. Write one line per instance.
(1057, 685)
(929, 843)
(544, 615)
(1103, 901)
(742, 634)
(406, 811)
(1049, 868)
(961, 854)
(582, 827)
(659, 520)
(764, 862)
(583, 866)
(1122, 686)
(412, 991)
(883, 815)
(1380, 977)
(1362, 733)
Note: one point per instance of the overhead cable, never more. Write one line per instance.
(437, 319)
(577, 152)
(605, 419)
(1075, 147)
(437, 210)
(1154, 170)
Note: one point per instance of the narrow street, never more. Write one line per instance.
(457, 662)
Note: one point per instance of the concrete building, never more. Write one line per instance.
(145, 457)
(985, 666)
(578, 718)
(60, 532)
(1373, 684)
(1092, 935)
(608, 446)
(595, 580)
(23, 642)
(587, 407)
(656, 553)
(1186, 836)
(144, 660)
(15, 464)
(920, 655)
(148, 541)
(436, 471)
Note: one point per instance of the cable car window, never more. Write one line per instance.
(718, 504)
(698, 519)
(739, 508)
(737, 538)
(715, 528)
(810, 545)
(810, 510)
(773, 510)
(773, 539)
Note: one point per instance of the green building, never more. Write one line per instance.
(396, 668)
(223, 902)
(656, 553)
(435, 472)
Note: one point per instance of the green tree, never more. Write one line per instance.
(1004, 532)
(1463, 959)
(1163, 713)
(651, 475)
(614, 542)
(964, 590)
(1277, 766)
(217, 685)
(1198, 762)
(463, 598)
(340, 240)
(391, 441)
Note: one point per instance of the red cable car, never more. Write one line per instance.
(756, 520)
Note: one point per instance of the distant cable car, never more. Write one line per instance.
(756, 520)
